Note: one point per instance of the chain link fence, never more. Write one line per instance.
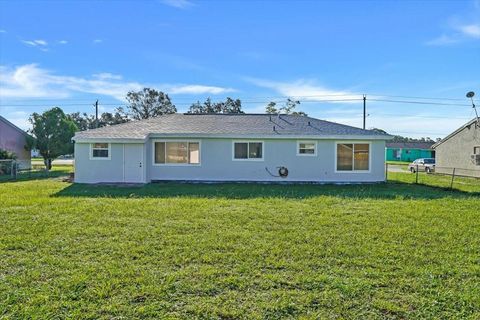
(11, 170)
(8, 168)
(444, 177)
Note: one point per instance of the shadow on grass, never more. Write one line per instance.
(390, 190)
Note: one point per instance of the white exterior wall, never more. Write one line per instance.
(89, 170)
(217, 164)
(456, 152)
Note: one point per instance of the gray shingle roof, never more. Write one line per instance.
(231, 125)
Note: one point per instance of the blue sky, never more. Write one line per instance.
(71, 53)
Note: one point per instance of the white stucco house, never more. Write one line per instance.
(230, 147)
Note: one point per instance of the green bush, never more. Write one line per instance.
(4, 154)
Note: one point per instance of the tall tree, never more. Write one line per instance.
(83, 121)
(117, 117)
(148, 103)
(287, 108)
(52, 132)
(228, 106)
(271, 107)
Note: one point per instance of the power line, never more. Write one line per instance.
(421, 102)
(259, 101)
(360, 96)
(181, 103)
(374, 114)
(416, 97)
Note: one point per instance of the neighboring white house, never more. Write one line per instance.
(230, 147)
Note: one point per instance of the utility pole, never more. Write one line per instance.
(364, 110)
(96, 113)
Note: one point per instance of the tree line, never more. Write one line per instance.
(398, 138)
(149, 103)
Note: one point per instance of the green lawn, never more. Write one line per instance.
(387, 251)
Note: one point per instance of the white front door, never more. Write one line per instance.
(133, 163)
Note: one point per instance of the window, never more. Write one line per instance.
(100, 151)
(353, 157)
(476, 150)
(306, 148)
(177, 152)
(248, 150)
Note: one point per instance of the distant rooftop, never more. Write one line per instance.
(410, 145)
(228, 125)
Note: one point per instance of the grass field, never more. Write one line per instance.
(387, 251)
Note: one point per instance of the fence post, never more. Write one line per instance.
(416, 175)
(453, 177)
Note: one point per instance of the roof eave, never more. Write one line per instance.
(14, 126)
(454, 133)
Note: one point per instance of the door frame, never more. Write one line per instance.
(142, 178)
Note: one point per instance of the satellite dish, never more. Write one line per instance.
(470, 94)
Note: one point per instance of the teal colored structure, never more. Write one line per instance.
(408, 151)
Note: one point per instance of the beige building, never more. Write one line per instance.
(460, 150)
(14, 139)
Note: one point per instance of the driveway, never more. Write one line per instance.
(397, 168)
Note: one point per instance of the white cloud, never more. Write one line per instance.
(198, 89)
(107, 76)
(40, 42)
(181, 4)
(460, 28)
(459, 33)
(35, 43)
(63, 42)
(442, 40)
(306, 90)
(31, 81)
(97, 41)
(470, 30)
(3, 31)
(30, 43)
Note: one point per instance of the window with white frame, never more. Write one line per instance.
(353, 157)
(306, 148)
(100, 150)
(177, 152)
(248, 150)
